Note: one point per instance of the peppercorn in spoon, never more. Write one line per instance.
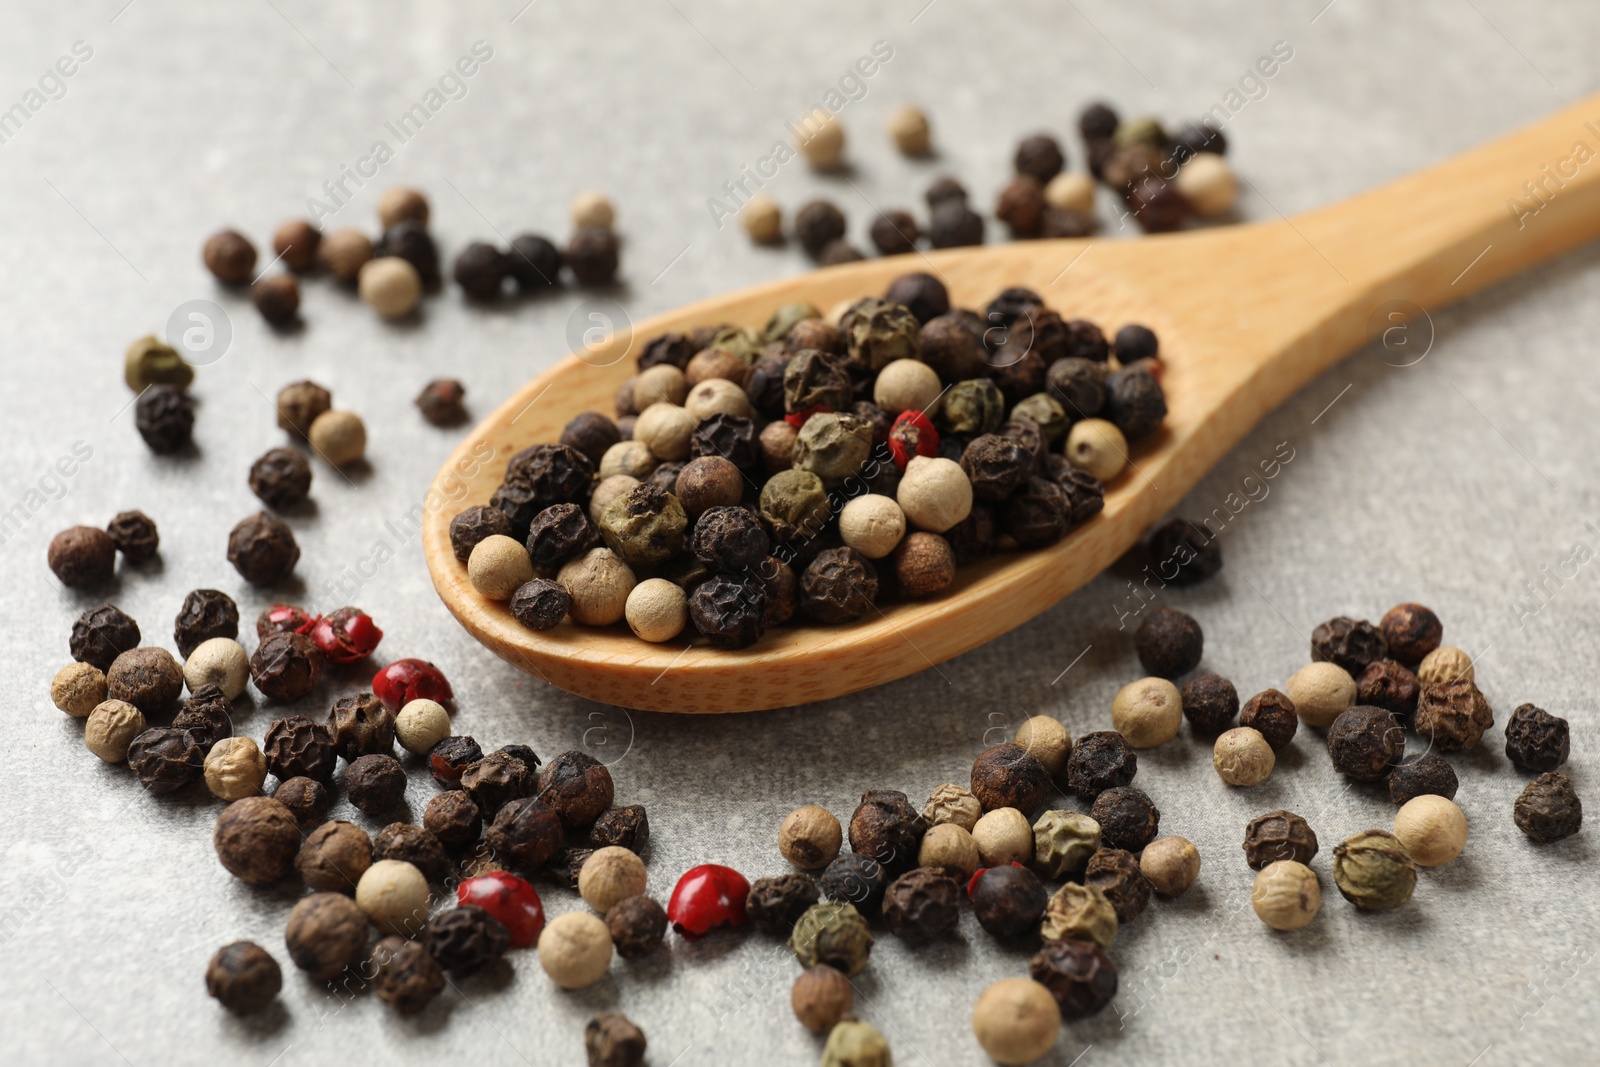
(1246, 315)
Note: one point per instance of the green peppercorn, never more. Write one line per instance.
(1374, 871)
(644, 526)
(151, 361)
(784, 319)
(877, 333)
(1046, 412)
(834, 934)
(833, 447)
(795, 504)
(1063, 841)
(973, 407)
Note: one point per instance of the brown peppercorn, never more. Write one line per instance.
(1385, 684)
(481, 270)
(375, 783)
(295, 242)
(1009, 776)
(441, 402)
(467, 939)
(165, 759)
(164, 417)
(148, 678)
(923, 904)
(408, 843)
(922, 293)
(1021, 206)
(592, 255)
(306, 799)
(452, 817)
(776, 904)
(1078, 974)
(886, 827)
(286, 667)
(1454, 714)
(1272, 715)
(1169, 643)
(894, 233)
(1099, 761)
(343, 253)
(326, 933)
(297, 747)
(1365, 743)
(102, 634)
(497, 779)
(1411, 631)
(1210, 703)
(1159, 206)
(1549, 809)
(1349, 643)
(206, 613)
(83, 557)
(822, 996)
(243, 977)
(637, 925)
(405, 976)
(334, 856)
(134, 534)
(612, 1040)
(277, 298)
(361, 726)
(952, 348)
(924, 564)
(1278, 835)
(256, 840)
(526, 832)
(229, 256)
(708, 482)
(262, 549)
(299, 404)
(1422, 774)
(627, 827)
(1536, 740)
(1115, 872)
(473, 525)
(1127, 817)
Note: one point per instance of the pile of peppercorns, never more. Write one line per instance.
(814, 467)
(1161, 179)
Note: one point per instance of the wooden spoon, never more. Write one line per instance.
(1246, 315)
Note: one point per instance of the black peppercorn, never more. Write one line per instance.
(1040, 157)
(286, 667)
(1169, 643)
(473, 525)
(921, 292)
(1185, 553)
(729, 539)
(496, 780)
(1097, 122)
(1078, 385)
(243, 977)
(1422, 774)
(626, 827)
(1209, 703)
(540, 604)
(665, 476)
(1385, 684)
(525, 834)
(1271, 714)
(481, 270)
(923, 904)
(467, 939)
(1278, 835)
(539, 477)
(1115, 872)
(855, 878)
(206, 613)
(534, 262)
(1549, 809)
(361, 726)
(1349, 643)
(1021, 206)
(1135, 403)
(559, 533)
(763, 383)
(996, 466)
(816, 225)
(450, 757)
(1008, 901)
(102, 634)
(674, 348)
(411, 241)
(839, 585)
(148, 678)
(299, 404)
(277, 298)
(1127, 817)
(206, 715)
(165, 759)
(637, 926)
(592, 254)
(591, 433)
(83, 557)
(1536, 740)
(775, 904)
(306, 800)
(442, 402)
(577, 787)
(327, 932)
(405, 976)
(1157, 205)
(164, 416)
(952, 348)
(1009, 776)
(297, 747)
(886, 827)
(1039, 513)
(262, 549)
(281, 478)
(732, 437)
(256, 840)
(452, 817)
(1193, 137)
(134, 534)
(1411, 631)
(1365, 742)
(1099, 761)
(894, 233)
(1078, 974)
(955, 225)
(375, 783)
(814, 378)
(944, 188)
(613, 1040)
(415, 845)
(1009, 308)
(229, 256)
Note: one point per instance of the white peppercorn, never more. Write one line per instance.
(1170, 864)
(420, 725)
(907, 385)
(390, 286)
(1047, 741)
(952, 803)
(1432, 828)
(401, 203)
(220, 661)
(394, 895)
(610, 874)
(575, 949)
(1016, 1020)
(235, 768)
(665, 430)
(660, 384)
(111, 728)
(657, 610)
(1286, 895)
(1070, 191)
(949, 845)
(762, 219)
(599, 583)
(934, 493)
(1003, 836)
(499, 566)
(78, 688)
(820, 139)
(1242, 757)
(1098, 447)
(872, 525)
(908, 125)
(716, 396)
(810, 837)
(1320, 693)
(631, 459)
(592, 208)
(339, 437)
(1147, 712)
(1444, 664)
(1208, 184)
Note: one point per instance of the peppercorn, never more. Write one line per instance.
(540, 604)
(286, 667)
(1098, 122)
(775, 904)
(951, 348)
(922, 904)
(1242, 757)
(1411, 632)
(243, 977)
(1079, 913)
(205, 614)
(627, 827)
(972, 407)
(1385, 684)
(816, 224)
(1147, 712)
(526, 832)
(102, 634)
(164, 417)
(1079, 385)
(1171, 865)
(1169, 643)
(262, 549)
(1063, 841)
(1548, 808)
(298, 747)
(951, 847)
(839, 585)
(1009, 776)
(151, 361)
(1320, 692)
(1444, 664)
(539, 477)
(1184, 553)
(299, 405)
(559, 533)
(1432, 829)
(886, 827)
(1365, 742)
(921, 293)
(954, 225)
(637, 925)
(1078, 974)
(534, 262)
(1454, 714)
(821, 997)
(256, 840)
(334, 857)
(134, 534)
(83, 557)
(1210, 703)
(996, 466)
(497, 779)
(840, 251)
(1123, 165)
(1115, 872)
(405, 975)
(577, 787)
(1421, 775)
(575, 950)
(608, 875)
(277, 298)
(339, 437)
(449, 759)
(1272, 715)
(453, 817)
(394, 895)
(834, 934)
(1135, 403)
(398, 204)
(894, 233)
(229, 256)
(343, 253)
(409, 241)
(612, 1040)
(1278, 835)
(1535, 739)
(1158, 205)
(413, 846)
(1374, 871)
(1039, 157)
(855, 878)
(1021, 206)
(1286, 895)
(1128, 820)
(1007, 901)
(375, 783)
(165, 759)
(924, 565)
(148, 678)
(78, 689)
(1003, 836)
(1099, 761)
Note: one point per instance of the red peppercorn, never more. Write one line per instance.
(346, 636)
(797, 419)
(706, 897)
(511, 900)
(406, 680)
(912, 435)
(284, 619)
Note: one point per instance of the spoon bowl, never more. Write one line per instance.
(1245, 314)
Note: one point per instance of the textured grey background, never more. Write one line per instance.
(1451, 482)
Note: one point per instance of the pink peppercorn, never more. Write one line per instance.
(406, 680)
(706, 897)
(346, 636)
(511, 900)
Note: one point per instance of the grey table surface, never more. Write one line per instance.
(1456, 482)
